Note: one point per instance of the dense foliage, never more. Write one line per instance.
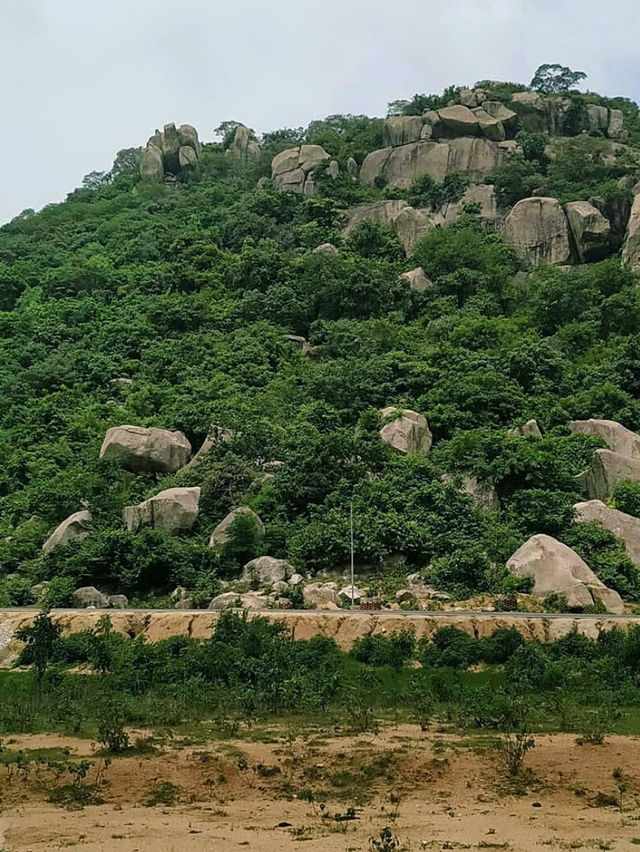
(251, 669)
(188, 290)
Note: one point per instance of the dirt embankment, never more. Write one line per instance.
(344, 627)
(333, 792)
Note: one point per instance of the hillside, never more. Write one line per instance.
(367, 311)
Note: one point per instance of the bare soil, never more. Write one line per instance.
(331, 792)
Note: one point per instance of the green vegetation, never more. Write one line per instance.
(252, 670)
(187, 292)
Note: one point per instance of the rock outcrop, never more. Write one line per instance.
(616, 436)
(538, 230)
(409, 224)
(399, 166)
(623, 526)
(266, 570)
(140, 449)
(606, 470)
(417, 280)
(529, 430)
(244, 147)
(483, 493)
(292, 170)
(174, 510)
(220, 535)
(90, 596)
(320, 596)
(590, 231)
(170, 153)
(556, 568)
(631, 251)
(76, 526)
(406, 431)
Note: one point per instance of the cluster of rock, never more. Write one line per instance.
(243, 148)
(292, 170)
(169, 153)
(608, 467)
(89, 596)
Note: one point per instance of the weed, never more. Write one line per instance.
(162, 793)
(513, 749)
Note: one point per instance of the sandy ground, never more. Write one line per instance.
(434, 791)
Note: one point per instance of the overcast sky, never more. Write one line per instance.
(82, 79)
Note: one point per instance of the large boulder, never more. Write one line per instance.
(606, 470)
(90, 596)
(320, 596)
(590, 231)
(616, 436)
(597, 118)
(631, 250)
(406, 431)
(243, 147)
(538, 230)
(250, 601)
(556, 568)
(623, 526)
(220, 535)
(489, 126)
(76, 526)
(496, 109)
(401, 129)
(151, 165)
(292, 169)
(417, 280)
(530, 429)
(266, 570)
(459, 120)
(174, 510)
(140, 449)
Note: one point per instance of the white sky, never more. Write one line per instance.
(82, 79)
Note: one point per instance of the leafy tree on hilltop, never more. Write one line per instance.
(556, 79)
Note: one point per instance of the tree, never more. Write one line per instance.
(556, 79)
(41, 638)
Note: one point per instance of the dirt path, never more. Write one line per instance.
(434, 791)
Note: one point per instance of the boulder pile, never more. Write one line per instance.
(169, 153)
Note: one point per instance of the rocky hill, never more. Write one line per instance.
(215, 352)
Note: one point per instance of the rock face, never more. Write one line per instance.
(616, 436)
(76, 526)
(538, 230)
(406, 431)
(631, 251)
(220, 535)
(625, 527)
(292, 170)
(557, 568)
(243, 148)
(153, 450)
(90, 596)
(417, 280)
(266, 570)
(607, 469)
(400, 166)
(170, 153)
(590, 231)
(174, 510)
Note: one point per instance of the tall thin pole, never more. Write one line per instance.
(351, 526)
